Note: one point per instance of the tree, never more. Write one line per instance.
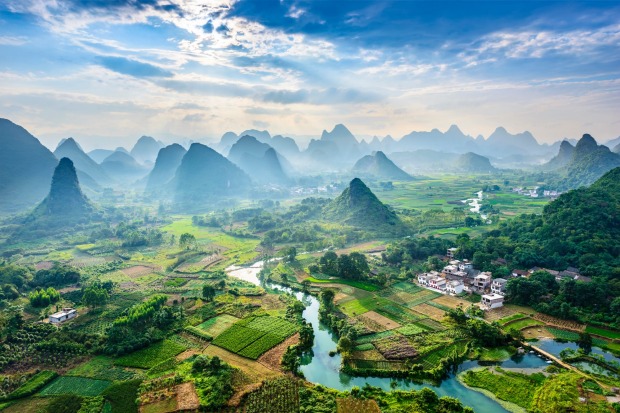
(208, 292)
(290, 254)
(345, 345)
(585, 342)
(95, 296)
(329, 263)
(187, 241)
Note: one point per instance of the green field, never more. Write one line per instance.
(521, 324)
(603, 332)
(101, 367)
(253, 336)
(421, 297)
(80, 386)
(509, 386)
(354, 308)
(152, 355)
(510, 318)
(357, 284)
(216, 325)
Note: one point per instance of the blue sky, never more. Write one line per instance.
(108, 71)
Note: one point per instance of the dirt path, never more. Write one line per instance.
(272, 358)
(187, 399)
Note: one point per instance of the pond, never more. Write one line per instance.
(319, 368)
(555, 347)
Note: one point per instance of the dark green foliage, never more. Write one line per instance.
(122, 396)
(409, 249)
(57, 276)
(352, 266)
(187, 241)
(136, 234)
(95, 296)
(357, 206)
(65, 404)
(208, 292)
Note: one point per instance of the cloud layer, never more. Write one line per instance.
(194, 69)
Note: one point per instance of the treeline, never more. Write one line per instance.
(17, 279)
(353, 266)
(408, 250)
(44, 297)
(143, 324)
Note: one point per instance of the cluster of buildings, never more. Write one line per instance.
(461, 276)
(536, 192)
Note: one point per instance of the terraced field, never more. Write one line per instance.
(421, 297)
(216, 325)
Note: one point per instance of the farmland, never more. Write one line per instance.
(253, 336)
(79, 386)
(151, 355)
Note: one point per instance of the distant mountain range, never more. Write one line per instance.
(146, 149)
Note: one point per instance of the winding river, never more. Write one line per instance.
(318, 367)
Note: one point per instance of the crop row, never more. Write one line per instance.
(266, 342)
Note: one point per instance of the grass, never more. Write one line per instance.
(510, 318)
(217, 325)
(603, 332)
(509, 386)
(495, 354)
(360, 306)
(411, 330)
(121, 397)
(152, 355)
(421, 297)
(521, 324)
(79, 386)
(357, 284)
(103, 368)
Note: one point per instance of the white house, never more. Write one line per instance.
(491, 301)
(437, 282)
(498, 286)
(64, 315)
(451, 269)
(454, 287)
(451, 251)
(482, 280)
(423, 279)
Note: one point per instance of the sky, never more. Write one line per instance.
(108, 71)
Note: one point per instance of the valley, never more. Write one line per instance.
(371, 293)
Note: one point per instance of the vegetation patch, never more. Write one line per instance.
(216, 325)
(33, 385)
(603, 332)
(79, 386)
(121, 397)
(152, 355)
(103, 368)
(522, 323)
(360, 306)
(357, 284)
(512, 387)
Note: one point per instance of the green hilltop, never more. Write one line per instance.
(357, 206)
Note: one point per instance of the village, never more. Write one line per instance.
(460, 277)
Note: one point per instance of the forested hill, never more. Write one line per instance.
(581, 229)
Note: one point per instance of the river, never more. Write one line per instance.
(475, 204)
(319, 368)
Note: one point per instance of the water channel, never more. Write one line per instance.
(318, 367)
